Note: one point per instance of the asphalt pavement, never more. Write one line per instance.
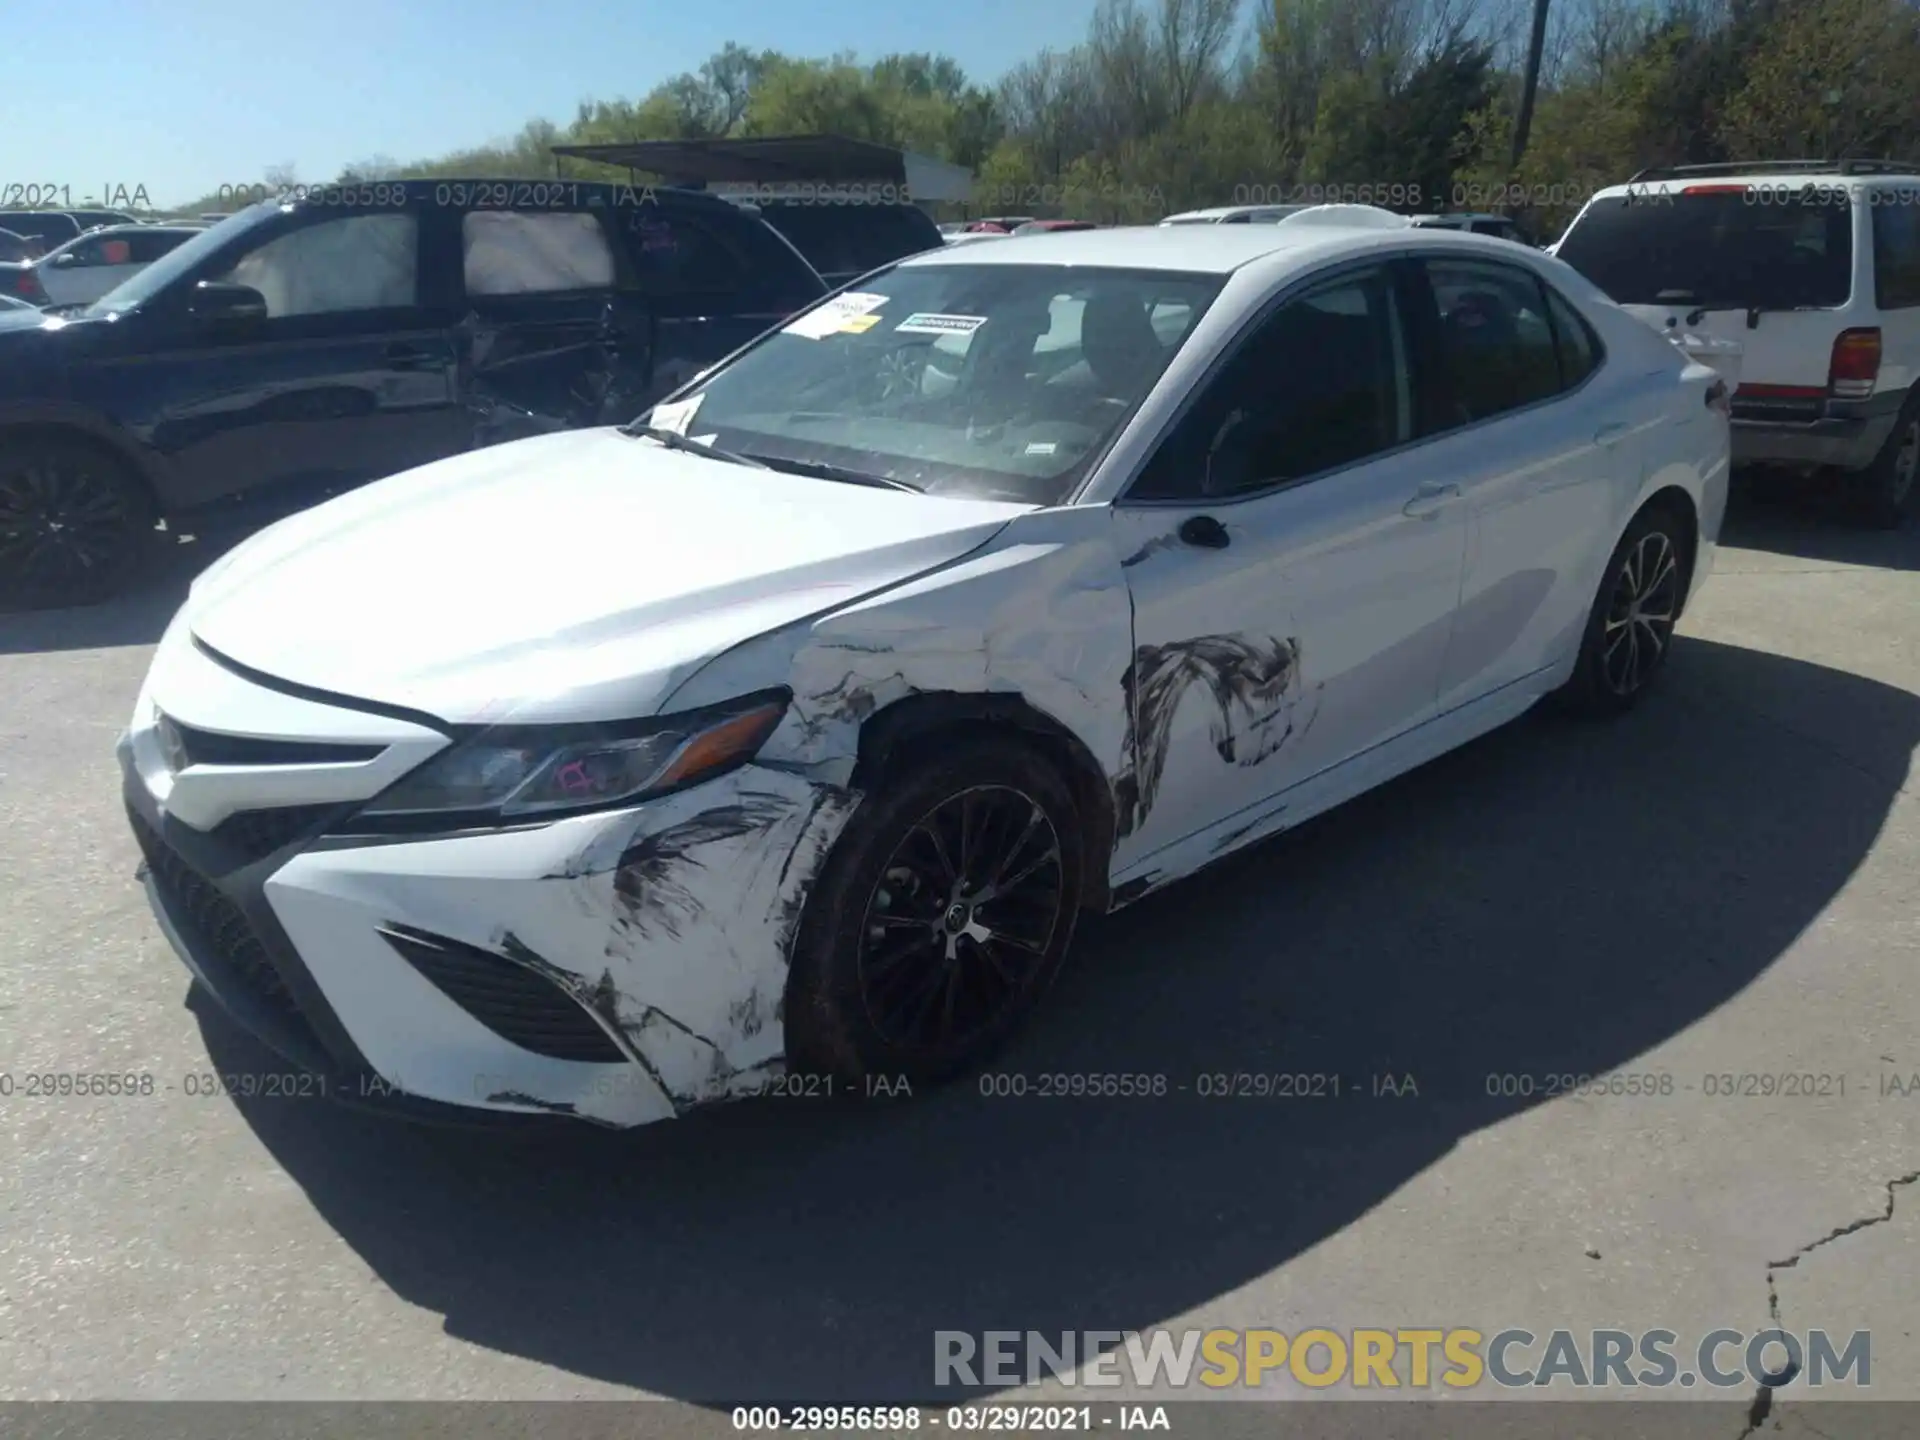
(1723, 885)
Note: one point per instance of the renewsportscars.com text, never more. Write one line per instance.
(1386, 1359)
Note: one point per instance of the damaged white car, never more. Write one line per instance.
(788, 731)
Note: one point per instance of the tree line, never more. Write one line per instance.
(1175, 104)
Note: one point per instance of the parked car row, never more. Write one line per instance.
(1811, 272)
(296, 349)
(81, 270)
(292, 350)
(43, 230)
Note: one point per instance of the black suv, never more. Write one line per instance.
(316, 341)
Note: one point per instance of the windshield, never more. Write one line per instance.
(143, 285)
(991, 381)
(1724, 250)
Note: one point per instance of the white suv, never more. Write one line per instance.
(1814, 269)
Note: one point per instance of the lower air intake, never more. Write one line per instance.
(510, 1000)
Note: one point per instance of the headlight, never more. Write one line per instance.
(534, 772)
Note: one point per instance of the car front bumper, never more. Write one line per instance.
(619, 967)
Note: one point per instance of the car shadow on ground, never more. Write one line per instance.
(1806, 520)
(139, 617)
(1555, 898)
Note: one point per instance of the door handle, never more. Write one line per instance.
(1429, 500)
(1611, 433)
(407, 357)
(1204, 531)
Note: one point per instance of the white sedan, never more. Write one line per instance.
(91, 265)
(788, 731)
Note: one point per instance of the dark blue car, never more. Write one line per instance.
(319, 340)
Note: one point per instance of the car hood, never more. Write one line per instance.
(12, 319)
(575, 576)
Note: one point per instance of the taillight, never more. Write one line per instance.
(1719, 400)
(27, 287)
(1855, 364)
(1714, 190)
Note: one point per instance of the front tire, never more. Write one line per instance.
(940, 919)
(76, 525)
(1630, 628)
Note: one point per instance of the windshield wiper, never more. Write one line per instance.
(833, 472)
(674, 440)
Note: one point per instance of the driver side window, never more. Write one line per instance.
(356, 262)
(1322, 383)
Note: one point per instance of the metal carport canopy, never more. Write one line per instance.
(783, 160)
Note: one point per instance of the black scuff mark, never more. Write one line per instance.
(531, 1102)
(1151, 548)
(745, 1017)
(850, 699)
(1135, 888)
(815, 841)
(1255, 687)
(651, 1013)
(599, 997)
(858, 647)
(649, 880)
(1240, 832)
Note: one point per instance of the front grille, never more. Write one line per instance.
(509, 999)
(208, 747)
(213, 920)
(256, 834)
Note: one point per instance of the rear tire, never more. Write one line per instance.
(1887, 485)
(940, 919)
(76, 524)
(1630, 628)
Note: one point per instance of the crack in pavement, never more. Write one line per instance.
(1853, 1228)
(1762, 1406)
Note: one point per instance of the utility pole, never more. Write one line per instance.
(1536, 47)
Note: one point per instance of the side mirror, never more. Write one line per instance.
(218, 302)
(63, 260)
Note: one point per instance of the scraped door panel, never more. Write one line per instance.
(1294, 569)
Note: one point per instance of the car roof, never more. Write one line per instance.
(1213, 212)
(137, 227)
(1212, 249)
(1758, 175)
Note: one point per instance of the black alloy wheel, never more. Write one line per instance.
(942, 914)
(961, 920)
(1641, 614)
(1630, 627)
(74, 527)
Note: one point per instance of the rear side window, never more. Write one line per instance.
(511, 252)
(679, 254)
(1496, 342)
(1573, 340)
(146, 246)
(1896, 250)
(1726, 250)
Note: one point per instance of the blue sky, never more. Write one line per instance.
(184, 96)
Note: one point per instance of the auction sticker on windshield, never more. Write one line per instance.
(837, 316)
(677, 416)
(924, 324)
